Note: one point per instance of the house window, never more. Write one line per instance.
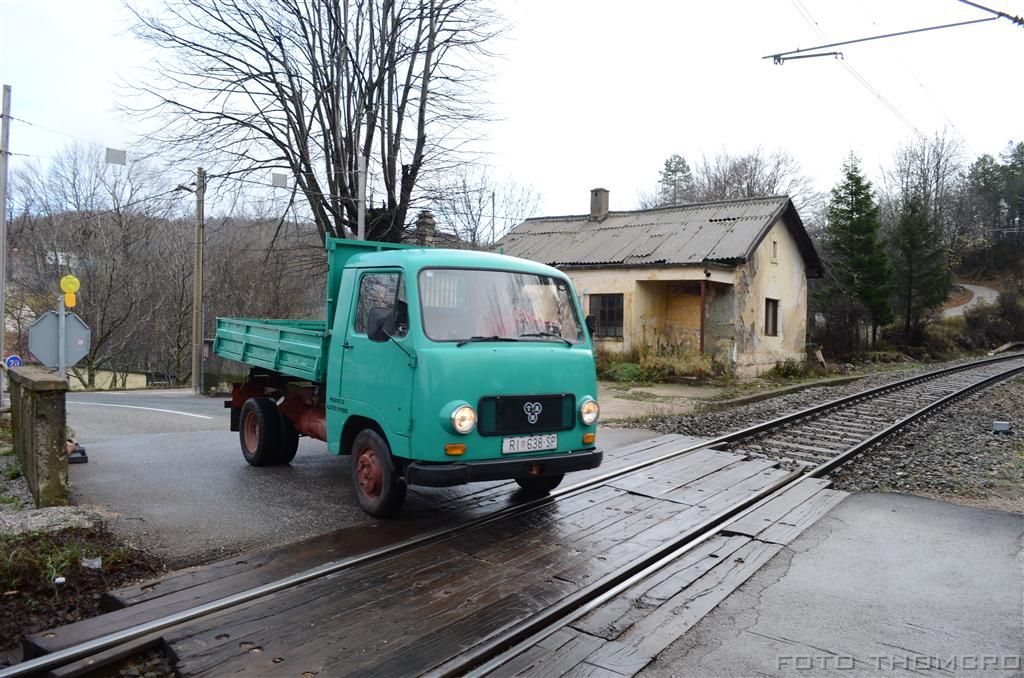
(775, 251)
(607, 312)
(771, 317)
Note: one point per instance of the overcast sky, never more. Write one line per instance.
(595, 93)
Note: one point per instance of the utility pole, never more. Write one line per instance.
(5, 132)
(197, 287)
(361, 214)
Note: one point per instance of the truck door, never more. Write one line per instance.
(377, 373)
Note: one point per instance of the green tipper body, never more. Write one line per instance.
(409, 385)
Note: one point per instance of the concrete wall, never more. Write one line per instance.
(766, 277)
(105, 381)
(39, 424)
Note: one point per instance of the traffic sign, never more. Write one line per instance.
(43, 341)
(13, 361)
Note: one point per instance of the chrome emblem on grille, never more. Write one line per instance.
(532, 411)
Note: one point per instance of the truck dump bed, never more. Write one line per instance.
(297, 348)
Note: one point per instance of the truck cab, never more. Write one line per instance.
(435, 367)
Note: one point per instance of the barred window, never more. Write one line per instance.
(607, 312)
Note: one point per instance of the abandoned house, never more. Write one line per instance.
(727, 279)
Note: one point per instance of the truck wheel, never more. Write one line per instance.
(289, 441)
(539, 485)
(259, 432)
(381, 491)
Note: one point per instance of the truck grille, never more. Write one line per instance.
(512, 415)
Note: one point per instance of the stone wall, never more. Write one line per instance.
(39, 423)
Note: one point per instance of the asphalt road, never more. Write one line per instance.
(885, 585)
(982, 295)
(171, 474)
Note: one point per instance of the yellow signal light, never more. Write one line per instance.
(69, 284)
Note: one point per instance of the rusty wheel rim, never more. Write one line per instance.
(251, 432)
(369, 473)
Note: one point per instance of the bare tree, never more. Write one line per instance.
(932, 171)
(95, 221)
(751, 175)
(310, 86)
(480, 209)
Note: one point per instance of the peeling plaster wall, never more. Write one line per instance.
(646, 298)
(764, 277)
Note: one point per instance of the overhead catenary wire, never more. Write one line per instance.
(812, 22)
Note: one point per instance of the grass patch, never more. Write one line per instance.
(12, 472)
(30, 564)
(9, 500)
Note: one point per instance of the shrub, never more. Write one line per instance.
(991, 325)
(624, 372)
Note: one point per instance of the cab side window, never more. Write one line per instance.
(382, 304)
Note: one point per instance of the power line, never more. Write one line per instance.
(94, 215)
(922, 86)
(781, 57)
(860, 78)
(1015, 19)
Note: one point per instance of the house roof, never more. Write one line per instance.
(727, 232)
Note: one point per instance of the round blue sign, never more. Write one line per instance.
(13, 361)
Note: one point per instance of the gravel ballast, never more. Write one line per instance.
(951, 455)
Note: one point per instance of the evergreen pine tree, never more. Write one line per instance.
(923, 278)
(675, 187)
(860, 264)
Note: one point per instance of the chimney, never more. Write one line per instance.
(425, 228)
(598, 204)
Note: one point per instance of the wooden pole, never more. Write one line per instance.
(197, 286)
(703, 297)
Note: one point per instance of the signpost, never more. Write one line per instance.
(13, 361)
(58, 338)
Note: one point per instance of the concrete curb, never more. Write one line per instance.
(718, 405)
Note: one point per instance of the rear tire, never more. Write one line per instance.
(375, 478)
(289, 441)
(260, 432)
(539, 485)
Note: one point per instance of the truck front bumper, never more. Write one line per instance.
(446, 474)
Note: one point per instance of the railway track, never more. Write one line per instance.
(809, 444)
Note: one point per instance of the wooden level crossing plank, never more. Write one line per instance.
(554, 657)
(675, 473)
(701, 491)
(656, 631)
(613, 618)
(775, 508)
(793, 524)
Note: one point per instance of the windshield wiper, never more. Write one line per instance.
(463, 342)
(547, 334)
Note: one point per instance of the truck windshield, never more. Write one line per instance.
(474, 304)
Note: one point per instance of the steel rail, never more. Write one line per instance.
(501, 648)
(115, 638)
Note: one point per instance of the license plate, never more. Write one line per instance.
(529, 443)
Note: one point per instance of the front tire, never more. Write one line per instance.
(260, 432)
(539, 485)
(375, 479)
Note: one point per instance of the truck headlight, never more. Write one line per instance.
(589, 412)
(464, 419)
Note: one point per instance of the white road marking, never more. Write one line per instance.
(136, 407)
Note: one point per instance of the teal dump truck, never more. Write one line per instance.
(433, 367)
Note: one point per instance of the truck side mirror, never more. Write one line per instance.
(377, 323)
(591, 325)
